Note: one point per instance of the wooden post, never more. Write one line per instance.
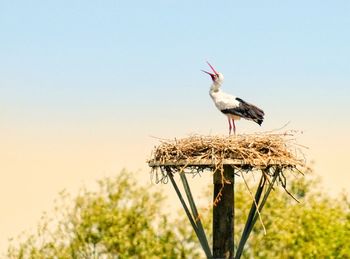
(223, 215)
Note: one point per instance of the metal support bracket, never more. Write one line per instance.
(194, 216)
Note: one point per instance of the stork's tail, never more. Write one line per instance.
(258, 115)
(260, 121)
(250, 111)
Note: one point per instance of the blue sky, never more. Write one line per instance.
(77, 52)
(85, 84)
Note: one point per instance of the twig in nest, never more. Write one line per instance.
(284, 185)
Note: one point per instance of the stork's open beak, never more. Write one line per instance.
(213, 75)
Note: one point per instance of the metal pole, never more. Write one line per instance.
(223, 215)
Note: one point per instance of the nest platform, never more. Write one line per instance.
(270, 153)
(253, 151)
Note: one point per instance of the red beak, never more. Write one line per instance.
(211, 74)
(212, 68)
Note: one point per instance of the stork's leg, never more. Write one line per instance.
(234, 127)
(230, 126)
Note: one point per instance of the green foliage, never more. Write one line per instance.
(121, 220)
(317, 227)
(124, 220)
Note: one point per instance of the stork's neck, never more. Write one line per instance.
(214, 88)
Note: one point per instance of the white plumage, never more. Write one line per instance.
(233, 107)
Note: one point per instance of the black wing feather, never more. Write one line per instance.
(247, 111)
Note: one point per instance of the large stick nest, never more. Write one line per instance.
(269, 152)
(252, 150)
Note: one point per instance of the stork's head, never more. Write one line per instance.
(217, 77)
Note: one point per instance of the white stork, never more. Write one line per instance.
(233, 107)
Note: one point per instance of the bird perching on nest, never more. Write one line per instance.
(233, 107)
